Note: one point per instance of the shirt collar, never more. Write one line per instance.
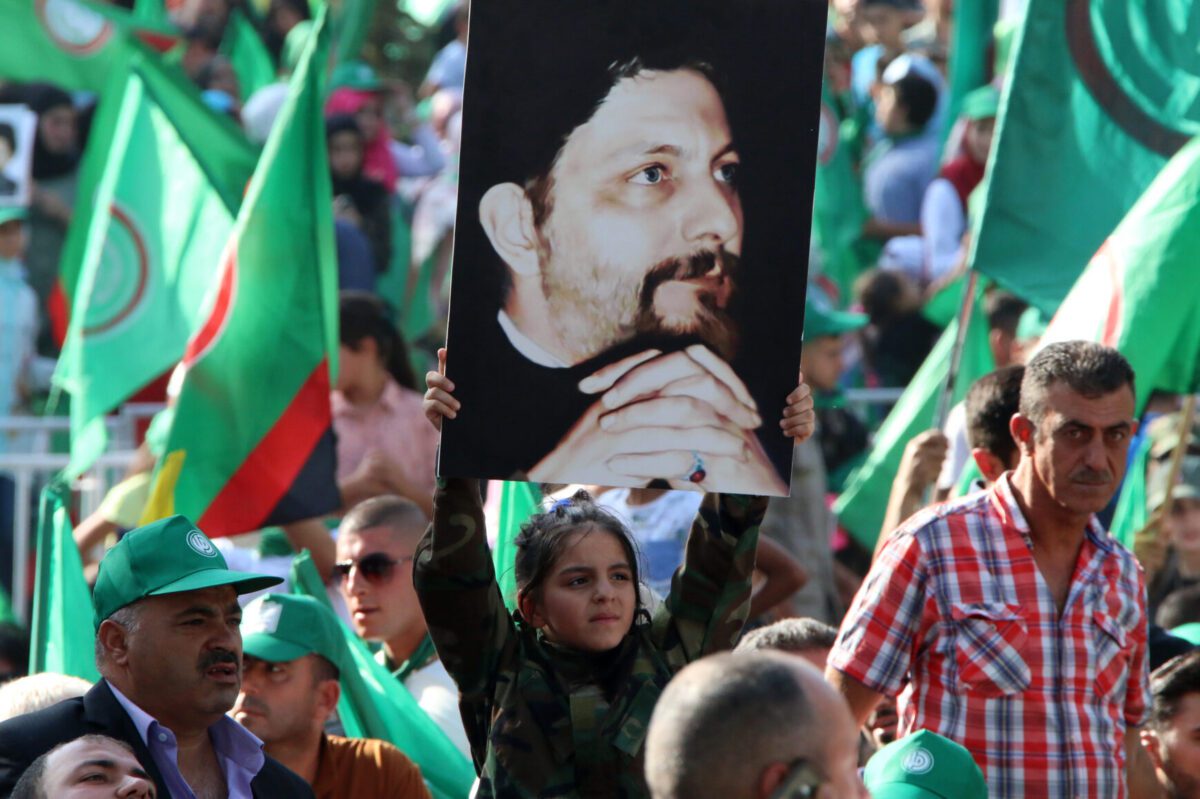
(1011, 512)
(230, 739)
(527, 346)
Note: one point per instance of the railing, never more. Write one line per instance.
(29, 462)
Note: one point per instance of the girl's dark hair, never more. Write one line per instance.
(544, 537)
(363, 315)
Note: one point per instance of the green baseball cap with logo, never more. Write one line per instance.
(169, 556)
(283, 627)
(924, 765)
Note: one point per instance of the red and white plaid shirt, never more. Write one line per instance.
(956, 620)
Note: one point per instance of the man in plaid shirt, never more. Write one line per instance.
(1009, 620)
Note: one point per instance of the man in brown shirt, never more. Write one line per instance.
(294, 652)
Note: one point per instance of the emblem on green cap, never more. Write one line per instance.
(200, 544)
(918, 761)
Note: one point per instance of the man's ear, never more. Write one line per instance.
(989, 465)
(328, 694)
(770, 779)
(1023, 431)
(114, 640)
(1151, 743)
(507, 218)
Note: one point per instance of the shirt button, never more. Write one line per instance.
(162, 736)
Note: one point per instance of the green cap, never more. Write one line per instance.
(822, 319)
(982, 103)
(10, 212)
(284, 627)
(355, 75)
(1187, 486)
(1032, 324)
(169, 556)
(1189, 632)
(924, 765)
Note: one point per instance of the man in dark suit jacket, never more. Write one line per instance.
(169, 648)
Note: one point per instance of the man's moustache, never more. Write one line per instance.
(688, 267)
(220, 656)
(1091, 477)
(253, 704)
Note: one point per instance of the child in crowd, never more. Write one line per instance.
(557, 697)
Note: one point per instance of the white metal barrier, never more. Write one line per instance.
(27, 458)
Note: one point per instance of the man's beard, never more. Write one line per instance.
(594, 307)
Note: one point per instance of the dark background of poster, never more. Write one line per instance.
(535, 70)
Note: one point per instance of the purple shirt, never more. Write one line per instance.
(238, 751)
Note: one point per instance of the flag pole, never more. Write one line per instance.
(960, 339)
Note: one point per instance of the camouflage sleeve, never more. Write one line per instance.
(710, 594)
(456, 584)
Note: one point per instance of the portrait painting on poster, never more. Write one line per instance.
(18, 126)
(632, 236)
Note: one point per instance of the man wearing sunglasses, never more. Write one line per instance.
(375, 547)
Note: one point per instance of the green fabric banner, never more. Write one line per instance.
(62, 635)
(1102, 94)
(251, 444)
(164, 176)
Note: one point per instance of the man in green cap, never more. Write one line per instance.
(924, 765)
(295, 652)
(169, 650)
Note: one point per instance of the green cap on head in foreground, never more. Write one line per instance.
(169, 556)
(924, 765)
(283, 627)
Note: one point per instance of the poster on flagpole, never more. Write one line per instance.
(18, 126)
(632, 239)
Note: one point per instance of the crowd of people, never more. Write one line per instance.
(675, 644)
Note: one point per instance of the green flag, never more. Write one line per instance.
(62, 638)
(251, 444)
(164, 175)
(518, 501)
(1101, 95)
(352, 24)
(1130, 515)
(245, 49)
(1139, 293)
(375, 704)
(838, 209)
(6, 609)
(74, 44)
(861, 507)
(968, 68)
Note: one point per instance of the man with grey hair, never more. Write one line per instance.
(27, 694)
(169, 649)
(751, 726)
(1009, 620)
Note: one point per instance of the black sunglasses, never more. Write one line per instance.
(376, 568)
